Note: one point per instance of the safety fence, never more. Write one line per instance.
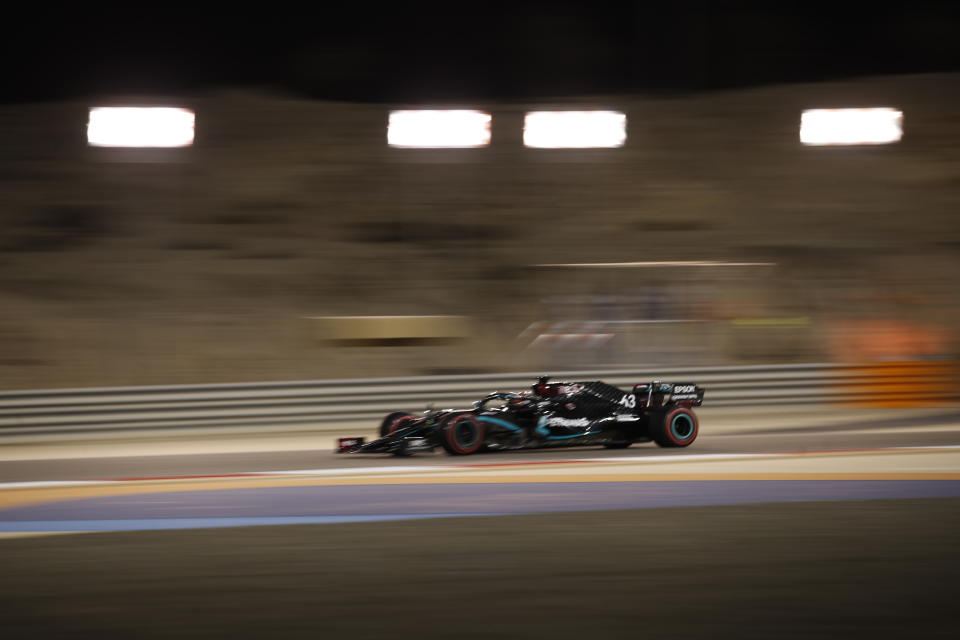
(322, 403)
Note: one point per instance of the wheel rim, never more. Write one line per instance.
(682, 427)
(465, 432)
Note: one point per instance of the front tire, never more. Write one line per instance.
(395, 421)
(675, 427)
(462, 434)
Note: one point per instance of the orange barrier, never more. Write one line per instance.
(917, 383)
(898, 363)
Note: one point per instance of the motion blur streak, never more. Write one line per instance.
(851, 126)
(459, 128)
(574, 129)
(140, 127)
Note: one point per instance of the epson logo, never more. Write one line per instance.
(568, 422)
(687, 388)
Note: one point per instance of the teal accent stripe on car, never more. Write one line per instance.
(513, 427)
(499, 422)
(542, 426)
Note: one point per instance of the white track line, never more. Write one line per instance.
(359, 471)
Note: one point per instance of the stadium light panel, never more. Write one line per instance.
(574, 129)
(140, 127)
(439, 129)
(881, 125)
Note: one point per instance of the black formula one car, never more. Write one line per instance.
(550, 414)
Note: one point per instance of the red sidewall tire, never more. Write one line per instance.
(463, 434)
(678, 427)
(394, 421)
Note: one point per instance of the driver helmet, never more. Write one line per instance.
(541, 388)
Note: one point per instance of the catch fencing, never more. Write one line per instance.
(320, 404)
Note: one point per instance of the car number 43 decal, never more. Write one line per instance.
(629, 401)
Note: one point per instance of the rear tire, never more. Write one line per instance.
(462, 434)
(675, 427)
(394, 421)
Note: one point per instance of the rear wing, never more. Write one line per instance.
(659, 394)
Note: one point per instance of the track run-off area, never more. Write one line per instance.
(200, 481)
(790, 524)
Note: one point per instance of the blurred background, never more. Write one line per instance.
(625, 190)
(291, 240)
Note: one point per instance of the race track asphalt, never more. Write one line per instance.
(93, 460)
(853, 569)
(818, 532)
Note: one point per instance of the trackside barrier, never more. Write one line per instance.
(318, 403)
(901, 384)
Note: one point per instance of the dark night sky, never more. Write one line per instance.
(433, 51)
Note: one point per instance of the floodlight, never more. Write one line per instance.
(574, 129)
(140, 127)
(438, 129)
(881, 125)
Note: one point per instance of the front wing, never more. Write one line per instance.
(413, 439)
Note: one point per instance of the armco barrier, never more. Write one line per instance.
(319, 403)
